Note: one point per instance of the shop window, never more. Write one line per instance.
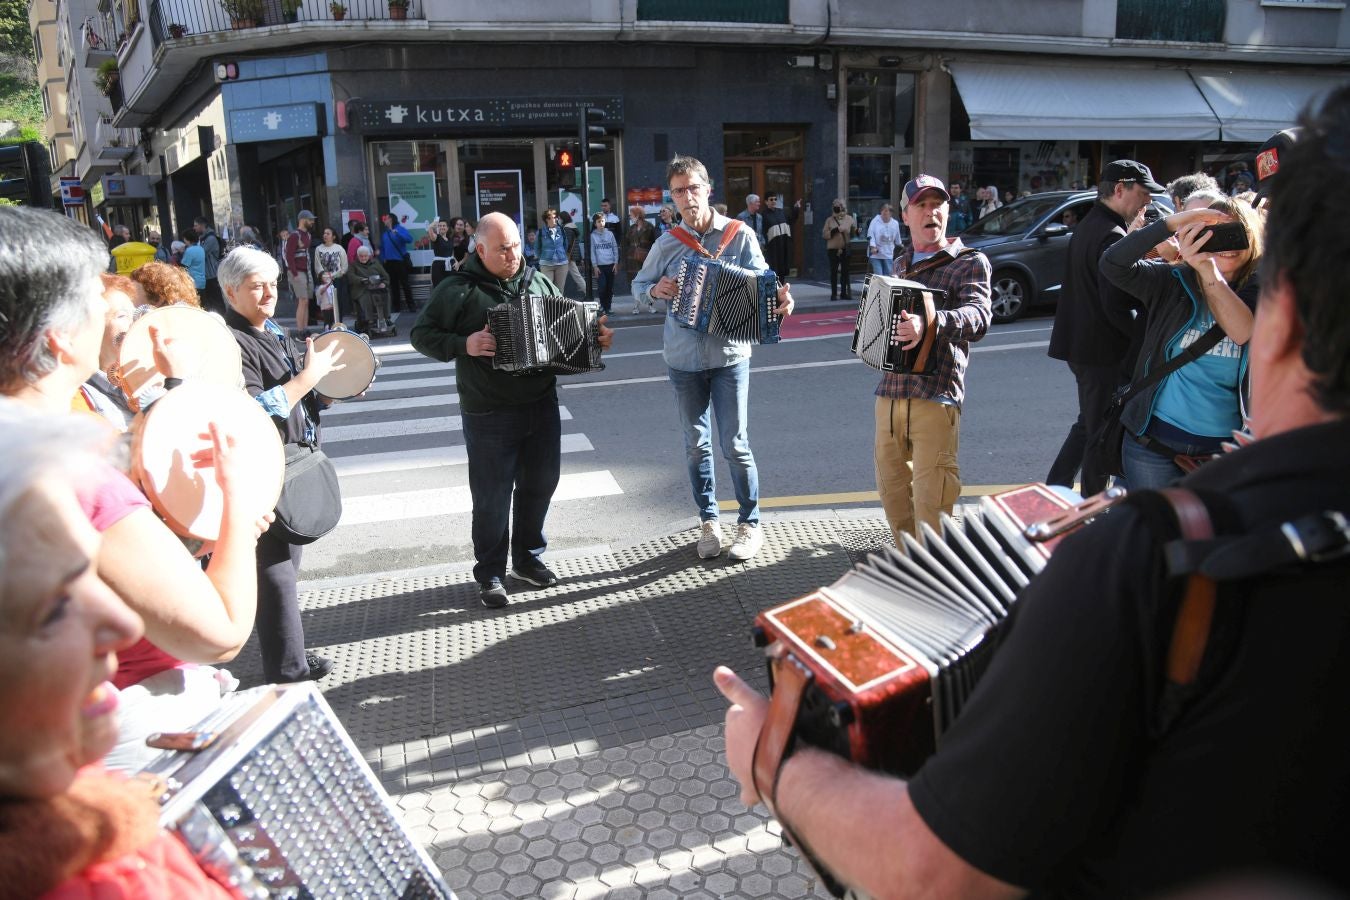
(870, 184)
(417, 171)
(770, 143)
(880, 108)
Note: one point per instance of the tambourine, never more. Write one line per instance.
(213, 352)
(186, 497)
(358, 365)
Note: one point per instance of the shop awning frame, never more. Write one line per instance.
(1251, 106)
(1076, 102)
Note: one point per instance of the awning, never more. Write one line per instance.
(1252, 106)
(1090, 103)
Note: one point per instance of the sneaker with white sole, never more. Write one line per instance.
(749, 538)
(710, 539)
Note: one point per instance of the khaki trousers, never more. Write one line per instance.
(915, 452)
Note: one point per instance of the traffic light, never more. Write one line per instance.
(589, 131)
(564, 167)
(226, 71)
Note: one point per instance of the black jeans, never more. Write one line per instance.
(1096, 384)
(514, 465)
(839, 273)
(604, 285)
(398, 282)
(281, 636)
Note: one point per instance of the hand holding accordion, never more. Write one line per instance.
(894, 330)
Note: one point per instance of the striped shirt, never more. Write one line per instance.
(966, 281)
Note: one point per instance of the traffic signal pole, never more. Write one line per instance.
(586, 130)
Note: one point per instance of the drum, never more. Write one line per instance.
(185, 495)
(358, 365)
(214, 355)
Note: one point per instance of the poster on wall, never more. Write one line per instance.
(353, 215)
(412, 198)
(569, 201)
(649, 198)
(499, 190)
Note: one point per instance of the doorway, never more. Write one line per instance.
(766, 160)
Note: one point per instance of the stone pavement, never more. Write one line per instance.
(570, 745)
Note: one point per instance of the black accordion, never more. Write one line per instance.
(536, 335)
(280, 804)
(719, 298)
(874, 342)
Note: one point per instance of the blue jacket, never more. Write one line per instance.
(394, 243)
(550, 248)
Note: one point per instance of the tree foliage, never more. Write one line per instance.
(15, 38)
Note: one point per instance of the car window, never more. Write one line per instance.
(1070, 216)
(1015, 218)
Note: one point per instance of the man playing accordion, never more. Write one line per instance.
(1083, 766)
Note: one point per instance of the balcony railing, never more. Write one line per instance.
(1190, 21)
(766, 12)
(113, 143)
(98, 41)
(173, 19)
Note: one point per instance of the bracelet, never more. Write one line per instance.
(171, 383)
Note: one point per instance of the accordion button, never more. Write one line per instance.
(841, 715)
(825, 642)
(758, 637)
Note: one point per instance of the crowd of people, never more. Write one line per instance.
(1079, 766)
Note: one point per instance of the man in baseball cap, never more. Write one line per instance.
(1127, 171)
(1268, 158)
(918, 412)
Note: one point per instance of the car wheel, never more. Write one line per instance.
(1009, 295)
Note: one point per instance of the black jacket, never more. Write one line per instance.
(1092, 328)
(265, 367)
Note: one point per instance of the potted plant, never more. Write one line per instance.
(105, 78)
(398, 9)
(243, 13)
(339, 10)
(290, 11)
(177, 30)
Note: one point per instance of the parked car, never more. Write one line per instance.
(1027, 242)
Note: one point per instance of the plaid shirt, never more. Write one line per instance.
(966, 281)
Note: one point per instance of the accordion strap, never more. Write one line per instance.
(1190, 633)
(929, 336)
(684, 236)
(775, 737)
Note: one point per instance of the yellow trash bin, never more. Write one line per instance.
(131, 255)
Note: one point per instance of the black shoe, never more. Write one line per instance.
(535, 573)
(492, 594)
(319, 666)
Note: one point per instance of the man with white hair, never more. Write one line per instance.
(512, 430)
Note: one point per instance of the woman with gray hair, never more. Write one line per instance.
(280, 374)
(51, 331)
(369, 284)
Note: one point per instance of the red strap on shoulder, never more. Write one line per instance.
(684, 237)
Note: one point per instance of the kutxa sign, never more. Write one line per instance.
(528, 114)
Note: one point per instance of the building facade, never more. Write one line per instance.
(247, 111)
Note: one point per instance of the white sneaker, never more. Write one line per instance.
(710, 540)
(749, 538)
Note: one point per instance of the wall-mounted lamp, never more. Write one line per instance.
(888, 62)
(831, 91)
(802, 62)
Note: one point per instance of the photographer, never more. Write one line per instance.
(839, 229)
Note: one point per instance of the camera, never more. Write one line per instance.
(1151, 214)
(839, 207)
(1223, 237)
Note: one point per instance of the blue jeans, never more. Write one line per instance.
(724, 392)
(1146, 469)
(880, 266)
(514, 464)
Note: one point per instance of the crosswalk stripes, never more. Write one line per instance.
(421, 436)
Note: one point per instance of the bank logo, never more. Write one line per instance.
(396, 114)
(272, 120)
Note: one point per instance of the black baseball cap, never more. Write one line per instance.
(1129, 170)
(1268, 157)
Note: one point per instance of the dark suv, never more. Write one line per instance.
(1026, 242)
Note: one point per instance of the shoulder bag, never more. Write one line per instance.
(310, 505)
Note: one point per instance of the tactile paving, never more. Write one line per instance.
(570, 744)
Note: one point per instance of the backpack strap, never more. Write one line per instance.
(1190, 631)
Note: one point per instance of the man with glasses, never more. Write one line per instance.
(710, 373)
(1090, 332)
(778, 234)
(512, 432)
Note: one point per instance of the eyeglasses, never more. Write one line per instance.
(690, 189)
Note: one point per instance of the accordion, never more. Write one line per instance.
(719, 298)
(279, 803)
(877, 666)
(874, 342)
(546, 334)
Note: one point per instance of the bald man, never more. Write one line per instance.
(512, 431)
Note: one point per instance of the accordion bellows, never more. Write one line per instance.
(897, 644)
(537, 335)
(884, 298)
(716, 297)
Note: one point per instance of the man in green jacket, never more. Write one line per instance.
(512, 431)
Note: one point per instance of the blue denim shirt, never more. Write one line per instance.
(551, 246)
(686, 349)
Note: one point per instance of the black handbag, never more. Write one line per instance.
(311, 499)
(1106, 442)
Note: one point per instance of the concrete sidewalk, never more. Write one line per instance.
(570, 745)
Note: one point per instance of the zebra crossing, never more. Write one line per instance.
(408, 423)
